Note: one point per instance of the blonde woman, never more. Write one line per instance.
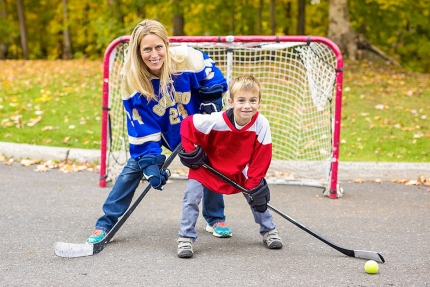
(162, 85)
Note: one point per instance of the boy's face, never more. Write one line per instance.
(245, 104)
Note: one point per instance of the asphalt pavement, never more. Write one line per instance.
(40, 208)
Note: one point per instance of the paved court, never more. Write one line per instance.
(39, 209)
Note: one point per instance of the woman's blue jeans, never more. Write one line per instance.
(121, 195)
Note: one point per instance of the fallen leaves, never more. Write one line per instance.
(34, 121)
(36, 95)
(421, 180)
(64, 166)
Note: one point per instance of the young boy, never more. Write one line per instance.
(238, 144)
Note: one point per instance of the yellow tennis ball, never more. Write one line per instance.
(371, 267)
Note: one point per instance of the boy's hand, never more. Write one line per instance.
(260, 196)
(194, 159)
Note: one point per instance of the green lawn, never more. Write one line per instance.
(385, 112)
(54, 103)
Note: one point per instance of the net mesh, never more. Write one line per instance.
(298, 99)
(117, 154)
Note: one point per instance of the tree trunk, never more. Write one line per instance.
(272, 17)
(288, 17)
(233, 23)
(178, 19)
(301, 18)
(260, 17)
(67, 46)
(115, 10)
(340, 30)
(22, 29)
(4, 44)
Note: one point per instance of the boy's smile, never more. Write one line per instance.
(245, 105)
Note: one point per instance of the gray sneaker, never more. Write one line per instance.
(185, 247)
(272, 239)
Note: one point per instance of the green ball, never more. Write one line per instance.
(371, 267)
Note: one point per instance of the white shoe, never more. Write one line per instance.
(272, 239)
(185, 247)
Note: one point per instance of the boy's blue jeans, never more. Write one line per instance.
(190, 212)
(121, 195)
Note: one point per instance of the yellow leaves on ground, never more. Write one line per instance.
(47, 102)
(64, 166)
(421, 180)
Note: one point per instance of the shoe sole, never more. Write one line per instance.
(275, 245)
(211, 230)
(94, 242)
(185, 255)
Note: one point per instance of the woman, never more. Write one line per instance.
(162, 85)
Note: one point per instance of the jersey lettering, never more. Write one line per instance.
(182, 111)
(183, 98)
(128, 115)
(174, 116)
(160, 108)
(137, 117)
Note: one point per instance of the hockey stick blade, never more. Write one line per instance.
(63, 249)
(70, 250)
(369, 255)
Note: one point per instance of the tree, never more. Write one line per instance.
(4, 44)
(272, 17)
(260, 16)
(23, 29)
(67, 46)
(340, 30)
(301, 18)
(178, 18)
(345, 37)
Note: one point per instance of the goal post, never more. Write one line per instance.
(301, 78)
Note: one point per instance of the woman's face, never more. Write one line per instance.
(153, 53)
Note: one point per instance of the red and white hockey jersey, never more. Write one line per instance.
(242, 155)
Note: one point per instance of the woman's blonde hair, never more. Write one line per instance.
(136, 72)
(245, 83)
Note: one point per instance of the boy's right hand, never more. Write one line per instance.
(260, 196)
(194, 159)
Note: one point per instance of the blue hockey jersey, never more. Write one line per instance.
(153, 124)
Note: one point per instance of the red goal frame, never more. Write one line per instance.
(333, 185)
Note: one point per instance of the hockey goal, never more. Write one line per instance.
(302, 92)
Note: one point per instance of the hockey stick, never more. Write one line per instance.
(369, 255)
(64, 249)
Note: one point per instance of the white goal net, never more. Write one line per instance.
(301, 81)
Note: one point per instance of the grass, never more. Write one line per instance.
(385, 112)
(53, 103)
